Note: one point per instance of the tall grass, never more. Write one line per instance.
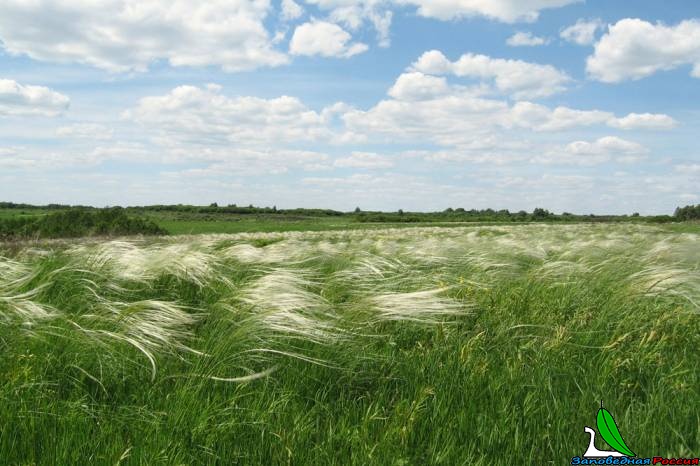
(479, 345)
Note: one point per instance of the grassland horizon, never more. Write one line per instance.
(26, 221)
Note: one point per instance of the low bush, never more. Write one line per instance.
(73, 223)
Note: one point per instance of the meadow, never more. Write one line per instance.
(487, 344)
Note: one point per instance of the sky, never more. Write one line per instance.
(575, 106)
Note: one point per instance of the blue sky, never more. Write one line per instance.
(414, 104)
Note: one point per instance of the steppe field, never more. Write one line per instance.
(481, 345)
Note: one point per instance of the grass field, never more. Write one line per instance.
(246, 224)
(466, 345)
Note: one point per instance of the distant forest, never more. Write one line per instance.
(65, 221)
(71, 222)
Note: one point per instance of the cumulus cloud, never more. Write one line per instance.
(291, 10)
(240, 135)
(644, 121)
(688, 168)
(205, 115)
(583, 32)
(85, 131)
(38, 158)
(594, 152)
(542, 118)
(364, 160)
(126, 35)
(508, 11)
(18, 99)
(418, 86)
(225, 161)
(226, 33)
(456, 118)
(526, 39)
(605, 145)
(389, 190)
(634, 49)
(688, 197)
(422, 108)
(354, 13)
(517, 78)
(324, 39)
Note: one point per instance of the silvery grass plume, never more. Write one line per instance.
(426, 306)
(249, 254)
(287, 252)
(371, 271)
(669, 280)
(683, 249)
(563, 271)
(490, 265)
(135, 261)
(282, 303)
(432, 250)
(16, 304)
(21, 306)
(151, 326)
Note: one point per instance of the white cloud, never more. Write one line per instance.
(127, 35)
(583, 32)
(388, 191)
(364, 160)
(605, 145)
(18, 99)
(425, 109)
(456, 118)
(526, 39)
(234, 135)
(124, 151)
(517, 78)
(85, 131)
(206, 116)
(218, 161)
(12, 159)
(203, 124)
(644, 121)
(355, 13)
(38, 158)
(508, 11)
(688, 168)
(325, 39)
(459, 118)
(559, 183)
(225, 162)
(542, 118)
(594, 152)
(382, 23)
(634, 49)
(433, 62)
(418, 86)
(291, 10)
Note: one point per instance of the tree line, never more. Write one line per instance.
(77, 222)
(689, 212)
(64, 221)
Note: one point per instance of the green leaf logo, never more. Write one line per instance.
(608, 430)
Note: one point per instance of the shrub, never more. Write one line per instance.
(77, 222)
